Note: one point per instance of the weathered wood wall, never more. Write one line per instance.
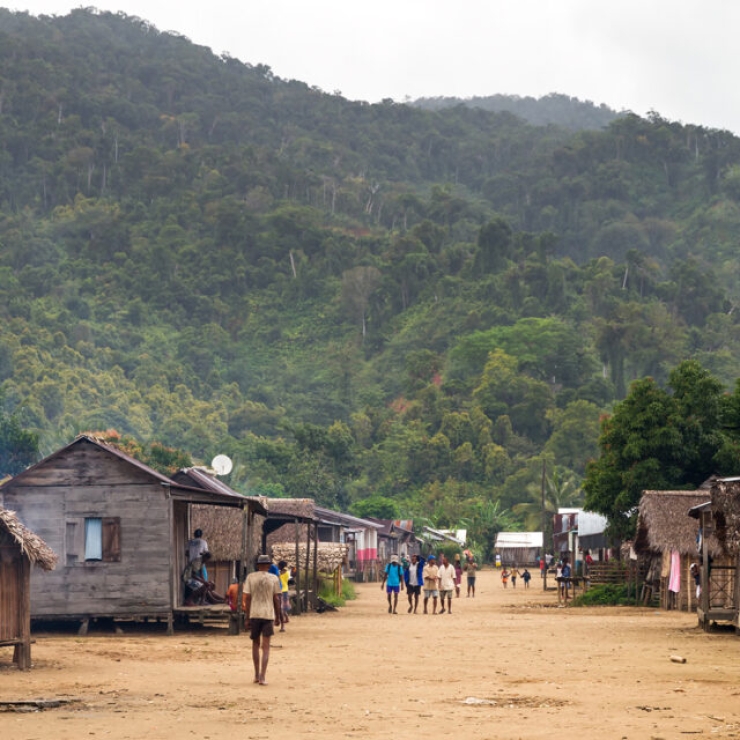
(11, 592)
(54, 503)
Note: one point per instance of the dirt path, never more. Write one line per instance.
(504, 665)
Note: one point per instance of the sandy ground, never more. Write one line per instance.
(507, 664)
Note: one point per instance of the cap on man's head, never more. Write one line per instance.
(431, 557)
(394, 558)
(264, 560)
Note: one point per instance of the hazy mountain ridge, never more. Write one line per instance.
(350, 299)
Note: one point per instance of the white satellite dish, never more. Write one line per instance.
(222, 464)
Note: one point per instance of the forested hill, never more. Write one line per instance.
(356, 302)
(555, 108)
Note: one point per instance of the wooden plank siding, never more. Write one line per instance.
(56, 499)
(11, 593)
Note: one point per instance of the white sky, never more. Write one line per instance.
(677, 57)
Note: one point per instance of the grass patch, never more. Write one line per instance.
(605, 594)
(326, 591)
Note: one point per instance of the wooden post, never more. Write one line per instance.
(172, 564)
(308, 563)
(297, 570)
(22, 651)
(235, 628)
(315, 599)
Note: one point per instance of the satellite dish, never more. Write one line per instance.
(222, 464)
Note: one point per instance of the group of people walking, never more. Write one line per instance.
(513, 575)
(435, 579)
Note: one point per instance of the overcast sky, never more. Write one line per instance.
(677, 57)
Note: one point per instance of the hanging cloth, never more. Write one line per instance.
(674, 582)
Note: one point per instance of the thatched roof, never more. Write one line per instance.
(222, 530)
(31, 545)
(663, 522)
(329, 555)
(290, 507)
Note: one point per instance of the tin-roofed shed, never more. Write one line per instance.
(519, 548)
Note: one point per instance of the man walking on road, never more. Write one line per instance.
(262, 594)
(414, 578)
(446, 576)
(471, 568)
(393, 575)
(431, 583)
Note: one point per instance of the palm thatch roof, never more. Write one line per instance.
(726, 509)
(222, 529)
(301, 508)
(663, 523)
(31, 545)
(329, 555)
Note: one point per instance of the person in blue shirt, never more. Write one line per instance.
(393, 577)
(566, 574)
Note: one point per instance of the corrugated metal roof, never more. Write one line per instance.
(518, 539)
(329, 516)
(187, 493)
(202, 479)
(589, 522)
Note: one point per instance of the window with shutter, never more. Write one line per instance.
(112, 539)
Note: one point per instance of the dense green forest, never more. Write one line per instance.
(554, 108)
(381, 306)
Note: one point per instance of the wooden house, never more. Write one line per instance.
(565, 534)
(358, 535)
(592, 537)
(666, 545)
(19, 550)
(119, 527)
(223, 527)
(519, 548)
(720, 521)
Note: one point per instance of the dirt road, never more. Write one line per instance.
(507, 664)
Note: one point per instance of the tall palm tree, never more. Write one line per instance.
(562, 490)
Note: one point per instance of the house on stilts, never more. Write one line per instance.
(119, 527)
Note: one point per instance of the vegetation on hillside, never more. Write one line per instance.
(356, 302)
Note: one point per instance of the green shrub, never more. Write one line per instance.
(605, 594)
(448, 549)
(326, 590)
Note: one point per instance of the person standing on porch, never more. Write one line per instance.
(198, 550)
(262, 591)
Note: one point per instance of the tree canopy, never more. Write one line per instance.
(351, 300)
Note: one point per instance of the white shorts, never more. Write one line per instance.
(431, 592)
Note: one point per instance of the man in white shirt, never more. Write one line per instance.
(446, 577)
(198, 550)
